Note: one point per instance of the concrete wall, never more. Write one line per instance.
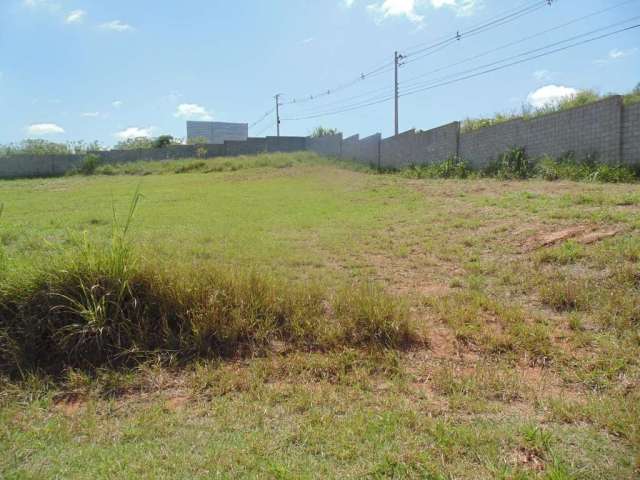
(16, 166)
(591, 129)
(479, 147)
(286, 144)
(330, 145)
(396, 151)
(587, 130)
(36, 165)
(631, 134)
(351, 147)
(369, 150)
(606, 128)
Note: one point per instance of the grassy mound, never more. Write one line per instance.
(99, 306)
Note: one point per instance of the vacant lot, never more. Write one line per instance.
(525, 297)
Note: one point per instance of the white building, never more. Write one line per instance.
(217, 132)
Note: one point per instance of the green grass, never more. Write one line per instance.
(527, 365)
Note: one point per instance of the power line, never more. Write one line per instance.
(477, 74)
(389, 66)
(583, 42)
(537, 5)
(372, 95)
(529, 52)
(522, 40)
(271, 125)
(262, 117)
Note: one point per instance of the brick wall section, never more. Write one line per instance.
(369, 150)
(631, 134)
(351, 147)
(594, 128)
(479, 147)
(590, 129)
(330, 145)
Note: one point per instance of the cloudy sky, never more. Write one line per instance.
(97, 70)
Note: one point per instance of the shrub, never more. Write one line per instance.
(452, 167)
(513, 164)
(89, 164)
(201, 152)
(567, 167)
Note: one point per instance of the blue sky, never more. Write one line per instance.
(105, 70)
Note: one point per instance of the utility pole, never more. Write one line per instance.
(277, 97)
(396, 61)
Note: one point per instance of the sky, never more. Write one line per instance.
(109, 70)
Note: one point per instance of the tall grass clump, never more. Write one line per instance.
(568, 167)
(102, 306)
(512, 164)
(452, 167)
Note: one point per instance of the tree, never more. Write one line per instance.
(163, 141)
(323, 132)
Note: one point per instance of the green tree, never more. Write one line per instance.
(163, 141)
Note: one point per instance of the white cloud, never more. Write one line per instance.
(460, 7)
(395, 8)
(44, 129)
(550, 94)
(192, 111)
(117, 103)
(348, 3)
(615, 54)
(307, 40)
(542, 75)
(90, 114)
(134, 132)
(48, 4)
(76, 16)
(116, 26)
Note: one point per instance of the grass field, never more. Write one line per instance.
(524, 297)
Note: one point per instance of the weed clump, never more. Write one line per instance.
(452, 167)
(97, 306)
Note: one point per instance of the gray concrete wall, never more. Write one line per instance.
(591, 129)
(330, 145)
(16, 166)
(631, 134)
(351, 147)
(436, 145)
(397, 151)
(587, 130)
(286, 144)
(369, 150)
(479, 147)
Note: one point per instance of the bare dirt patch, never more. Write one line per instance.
(585, 234)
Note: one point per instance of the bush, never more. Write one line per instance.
(453, 167)
(513, 164)
(567, 167)
(89, 164)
